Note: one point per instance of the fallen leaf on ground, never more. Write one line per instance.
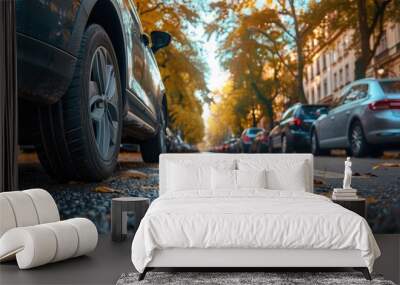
(149, 187)
(319, 182)
(386, 165)
(371, 200)
(370, 174)
(134, 174)
(105, 189)
(356, 174)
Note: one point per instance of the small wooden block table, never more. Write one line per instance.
(119, 214)
(357, 205)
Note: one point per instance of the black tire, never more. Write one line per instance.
(152, 148)
(358, 144)
(315, 148)
(69, 132)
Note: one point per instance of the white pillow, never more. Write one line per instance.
(281, 174)
(192, 175)
(227, 179)
(223, 179)
(292, 179)
(182, 177)
(251, 178)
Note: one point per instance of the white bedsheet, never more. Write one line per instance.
(250, 219)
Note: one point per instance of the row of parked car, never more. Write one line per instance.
(364, 120)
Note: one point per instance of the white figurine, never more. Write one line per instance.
(347, 174)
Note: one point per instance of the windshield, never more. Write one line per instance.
(254, 131)
(390, 87)
(310, 112)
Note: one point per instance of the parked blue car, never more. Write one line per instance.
(365, 119)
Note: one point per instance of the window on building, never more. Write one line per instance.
(312, 95)
(318, 91)
(340, 77)
(335, 81)
(383, 45)
(325, 87)
(312, 71)
(324, 61)
(398, 32)
(347, 73)
(318, 66)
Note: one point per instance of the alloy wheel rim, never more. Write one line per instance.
(103, 102)
(356, 139)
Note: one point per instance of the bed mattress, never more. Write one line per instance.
(250, 219)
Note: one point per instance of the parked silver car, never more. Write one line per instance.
(365, 119)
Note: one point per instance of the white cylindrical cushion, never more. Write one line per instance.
(87, 235)
(45, 205)
(7, 218)
(33, 246)
(52, 242)
(23, 208)
(67, 240)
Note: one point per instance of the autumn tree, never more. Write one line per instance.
(181, 66)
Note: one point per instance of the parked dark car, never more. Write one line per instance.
(234, 145)
(247, 137)
(365, 120)
(87, 77)
(260, 143)
(292, 132)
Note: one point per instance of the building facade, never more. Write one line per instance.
(332, 67)
(386, 62)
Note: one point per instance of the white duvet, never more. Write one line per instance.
(250, 219)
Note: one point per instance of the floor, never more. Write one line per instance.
(110, 260)
(104, 266)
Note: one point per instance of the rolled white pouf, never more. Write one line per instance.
(66, 238)
(45, 205)
(33, 246)
(7, 218)
(23, 208)
(87, 235)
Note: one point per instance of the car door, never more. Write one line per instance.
(136, 60)
(355, 95)
(332, 125)
(151, 79)
(280, 128)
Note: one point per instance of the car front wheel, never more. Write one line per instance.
(81, 134)
(358, 143)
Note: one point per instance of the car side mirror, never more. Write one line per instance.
(145, 39)
(322, 111)
(159, 40)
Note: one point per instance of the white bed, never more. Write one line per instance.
(248, 227)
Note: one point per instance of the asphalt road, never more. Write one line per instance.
(377, 180)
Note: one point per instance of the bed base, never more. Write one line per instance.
(363, 270)
(242, 259)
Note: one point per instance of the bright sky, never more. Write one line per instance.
(216, 75)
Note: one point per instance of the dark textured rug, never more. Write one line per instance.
(243, 278)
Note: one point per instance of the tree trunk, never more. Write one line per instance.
(300, 55)
(363, 59)
(8, 98)
(266, 102)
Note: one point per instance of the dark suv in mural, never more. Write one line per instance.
(87, 78)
